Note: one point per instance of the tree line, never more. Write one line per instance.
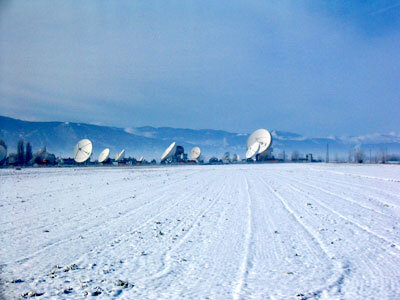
(25, 156)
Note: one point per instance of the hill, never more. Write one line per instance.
(60, 138)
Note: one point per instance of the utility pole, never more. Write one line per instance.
(370, 159)
(327, 153)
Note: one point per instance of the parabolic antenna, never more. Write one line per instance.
(253, 150)
(169, 152)
(120, 156)
(83, 150)
(262, 137)
(3, 153)
(226, 156)
(195, 153)
(140, 159)
(104, 155)
(236, 157)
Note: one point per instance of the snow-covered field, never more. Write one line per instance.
(274, 231)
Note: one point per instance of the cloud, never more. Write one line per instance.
(384, 9)
(224, 65)
(130, 130)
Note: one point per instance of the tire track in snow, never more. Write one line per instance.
(360, 175)
(167, 261)
(342, 268)
(348, 184)
(142, 282)
(243, 270)
(363, 282)
(91, 229)
(371, 269)
(363, 188)
(127, 236)
(348, 199)
(366, 265)
(209, 266)
(355, 223)
(79, 184)
(99, 250)
(397, 246)
(103, 207)
(83, 187)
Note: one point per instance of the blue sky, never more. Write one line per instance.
(312, 67)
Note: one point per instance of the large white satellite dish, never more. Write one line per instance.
(140, 159)
(83, 150)
(253, 150)
(169, 152)
(262, 137)
(195, 153)
(120, 156)
(3, 153)
(104, 155)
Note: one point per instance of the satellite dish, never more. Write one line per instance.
(140, 159)
(226, 156)
(120, 156)
(262, 137)
(253, 150)
(83, 150)
(104, 155)
(3, 153)
(169, 152)
(236, 157)
(195, 153)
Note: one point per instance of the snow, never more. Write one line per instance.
(272, 231)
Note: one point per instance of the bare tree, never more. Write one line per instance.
(383, 155)
(28, 153)
(295, 155)
(282, 155)
(359, 156)
(20, 152)
(336, 157)
(350, 156)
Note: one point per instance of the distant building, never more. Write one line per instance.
(266, 155)
(67, 161)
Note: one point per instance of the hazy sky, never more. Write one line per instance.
(311, 67)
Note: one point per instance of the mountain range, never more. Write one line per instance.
(61, 137)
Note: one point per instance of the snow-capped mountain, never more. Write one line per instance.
(60, 138)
